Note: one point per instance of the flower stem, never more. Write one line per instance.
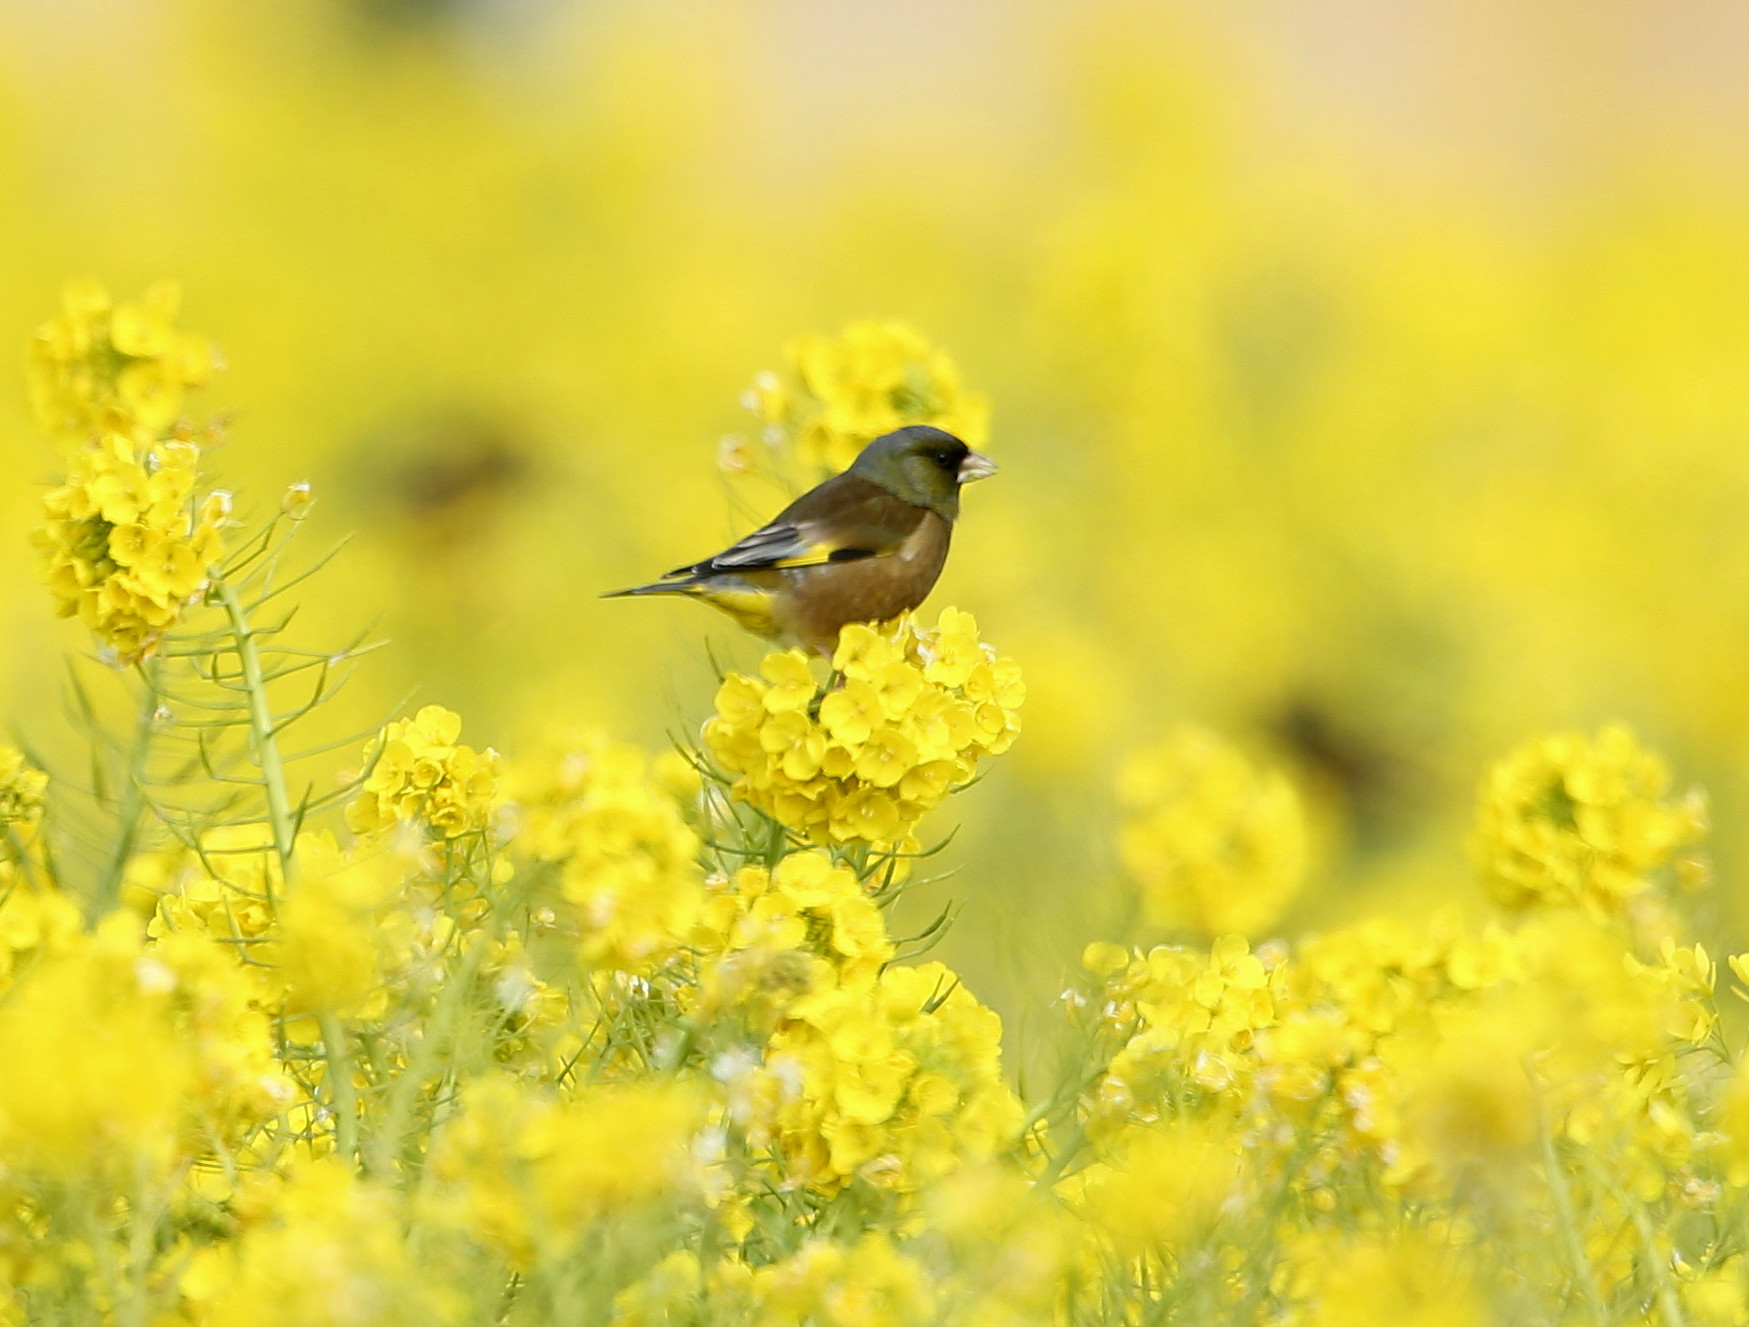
(1575, 1242)
(1669, 1303)
(342, 1097)
(279, 816)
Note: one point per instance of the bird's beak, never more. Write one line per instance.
(975, 467)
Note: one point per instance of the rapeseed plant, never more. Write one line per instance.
(584, 1034)
(863, 756)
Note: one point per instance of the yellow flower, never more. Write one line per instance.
(766, 938)
(225, 891)
(124, 547)
(850, 713)
(806, 900)
(1717, 1297)
(328, 1247)
(1213, 843)
(101, 367)
(950, 657)
(35, 923)
(420, 772)
(872, 378)
(887, 756)
(21, 790)
(669, 1294)
(1013, 1246)
(1470, 1100)
(628, 859)
(331, 940)
(1575, 820)
(826, 1284)
(866, 814)
(915, 710)
(1191, 1023)
(95, 1074)
(900, 1082)
(1405, 1280)
(527, 1171)
(225, 1012)
(1166, 1188)
(792, 682)
(1734, 1124)
(612, 1147)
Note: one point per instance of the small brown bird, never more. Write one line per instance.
(865, 546)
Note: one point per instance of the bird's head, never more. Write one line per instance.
(925, 466)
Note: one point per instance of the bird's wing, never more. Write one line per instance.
(845, 519)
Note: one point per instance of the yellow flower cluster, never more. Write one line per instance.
(419, 772)
(102, 367)
(825, 1283)
(119, 1101)
(612, 819)
(750, 923)
(862, 760)
(175, 1054)
(1406, 1279)
(1429, 1054)
(331, 945)
(530, 1173)
(1429, 1067)
(21, 790)
(226, 890)
(239, 1082)
(899, 1083)
(1580, 821)
(124, 546)
(838, 1066)
(318, 1245)
(872, 378)
(1189, 1023)
(1163, 1188)
(34, 924)
(1214, 844)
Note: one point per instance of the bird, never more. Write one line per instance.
(866, 545)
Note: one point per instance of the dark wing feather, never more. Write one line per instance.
(844, 519)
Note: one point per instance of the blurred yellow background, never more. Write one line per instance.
(1369, 386)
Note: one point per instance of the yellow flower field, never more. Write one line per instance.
(1285, 875)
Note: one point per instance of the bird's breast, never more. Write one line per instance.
(820, 600)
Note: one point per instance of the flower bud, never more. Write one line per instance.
(297, 499)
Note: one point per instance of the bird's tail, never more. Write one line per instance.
(686, 586)
(751, 606)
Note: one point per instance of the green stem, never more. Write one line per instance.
(279, 816)
(19, 854)
(1569, 1226)
(133, 795)
(342, 1097)
(100, 1237)
(1669, 1303)
(1305, 1149)
(403, 1097)
(142, 1229)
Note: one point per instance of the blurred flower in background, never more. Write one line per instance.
(1214, 845)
